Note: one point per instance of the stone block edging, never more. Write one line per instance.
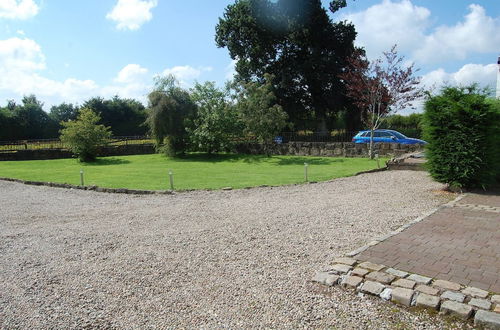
(404, 227)
(409, 289)
(91, 188)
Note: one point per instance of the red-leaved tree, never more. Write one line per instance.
(380, 87)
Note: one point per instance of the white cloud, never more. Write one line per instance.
(18, 9)
(22, 63)
(381, 26)
(131, 73)
(402, 23)
(131, 14)
(484, 75)
(186, 74)
(21, 54)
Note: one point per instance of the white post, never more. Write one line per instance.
(305, 170)
(171, 176)
(81, 177)
(498, 78)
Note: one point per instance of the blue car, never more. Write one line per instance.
(385, 136)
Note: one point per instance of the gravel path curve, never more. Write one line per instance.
(220, 259)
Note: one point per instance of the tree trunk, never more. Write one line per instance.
(321, 126)
(370, 152)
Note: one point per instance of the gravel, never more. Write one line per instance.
(203, 259)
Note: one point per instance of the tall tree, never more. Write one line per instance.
(124, 116)
(259, 112)
(297, 43)
(169, 112)
(216, 121)
(380, 87)
(64, 112)
(33, 121)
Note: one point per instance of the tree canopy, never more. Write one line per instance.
(169, 112)
(296, 42)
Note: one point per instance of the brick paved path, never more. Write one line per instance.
(459, 243)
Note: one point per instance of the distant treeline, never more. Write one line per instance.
(125, 117)
(28, 120)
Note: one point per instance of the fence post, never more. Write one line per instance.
(305, 171)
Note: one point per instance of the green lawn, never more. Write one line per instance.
(195, 171)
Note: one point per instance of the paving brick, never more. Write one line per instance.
(359, 271)
(371, 266)
(455, 308)
(341, 268)
(326, 278)
(397, 272)
(455, 296)
(495, 299)
(404, 283)
(345, 261)
(402, 296)
(420, 279)
(352, 282)
(380, 277)
(370, 287)
(447, 285)
(480, 303)
(497, 309)
(428, 301)
(427, 289)
(487, 320)
(475, 292)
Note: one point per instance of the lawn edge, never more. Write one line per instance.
(162, 192)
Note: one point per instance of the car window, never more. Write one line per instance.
(365, 134)
(385, 134)
(399, 135)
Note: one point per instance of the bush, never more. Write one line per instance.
(462, 127)
(84, 136)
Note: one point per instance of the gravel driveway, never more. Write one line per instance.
(231, 259)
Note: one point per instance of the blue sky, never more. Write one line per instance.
(69, 51)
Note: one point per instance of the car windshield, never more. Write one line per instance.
(399, 135)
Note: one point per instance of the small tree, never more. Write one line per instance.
(170, 110)
(216, 121)
(84, 136)
(258, 111)
(381, 87)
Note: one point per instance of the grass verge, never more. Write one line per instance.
(194, 171)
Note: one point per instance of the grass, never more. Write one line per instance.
(194, 171)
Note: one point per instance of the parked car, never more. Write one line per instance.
(385, 136)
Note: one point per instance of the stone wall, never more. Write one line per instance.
(330, 149)
(42, 154)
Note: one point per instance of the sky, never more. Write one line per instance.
(69, 51)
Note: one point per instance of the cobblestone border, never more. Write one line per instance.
(409, 289)
(406, 226)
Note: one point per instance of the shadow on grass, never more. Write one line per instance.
(255, 159)
(107, 161)
(220, 158)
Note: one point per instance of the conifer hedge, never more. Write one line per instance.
(462, 126)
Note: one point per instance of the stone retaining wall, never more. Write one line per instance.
(41, 154)
(329, 149)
